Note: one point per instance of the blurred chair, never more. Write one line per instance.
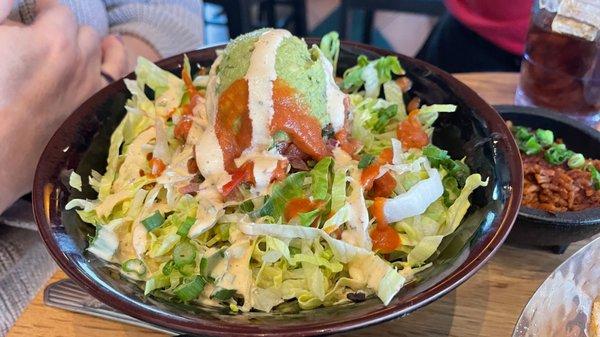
(368, 7)
(240, 15)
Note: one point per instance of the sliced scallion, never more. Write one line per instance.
(223, 294)
(135, 266)
(184, 253)
(365, 161)
(595, 176)
(168, 268)
(184, 229)
(154, 221)
(557, 154)
(544, 137)
(191, 289)
(576, 161)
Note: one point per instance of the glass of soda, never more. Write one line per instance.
(561, 70)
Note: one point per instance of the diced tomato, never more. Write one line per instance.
(182, 128)
(244, 174)
(385, 238)
(368, 176)
(386, 156)
(383, 186)
(410, 132)
(370, 173)
(300, 205)
(157, 167)
(280, 171)
(347, 144)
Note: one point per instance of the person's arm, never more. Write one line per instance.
(51, 67)
(157, 28)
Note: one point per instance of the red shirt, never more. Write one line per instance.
(503, 22)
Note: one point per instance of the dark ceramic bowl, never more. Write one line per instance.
(540, 228)
(475, 131)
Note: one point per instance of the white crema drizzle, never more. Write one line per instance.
(260, 76)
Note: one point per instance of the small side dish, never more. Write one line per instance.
(556, 179)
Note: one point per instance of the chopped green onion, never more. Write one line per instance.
(365, 161)
(184, 229)
(135, 266)
(208, 263)
(156, 282)
(383, 117)
(521, 133)
(154, 221)
(191, 290)
(544, 137)
(168, 268)
(247, 206)
(184, 253)
(223, 294)
(576, 161)
(435, 155)
(595, 176)
(204, 266)
(531, 146)
(187, 269)
(557, 154)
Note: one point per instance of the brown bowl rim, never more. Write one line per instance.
(478, 256)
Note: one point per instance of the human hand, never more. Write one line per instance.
(51, 67)
(137, 47)
(116, 61)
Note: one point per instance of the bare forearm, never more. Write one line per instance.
(15, 174)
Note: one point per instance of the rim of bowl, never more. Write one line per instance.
(480, 254)
(590, 216)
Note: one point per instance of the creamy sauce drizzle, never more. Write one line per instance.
(260, 76)
(265, 162)
(209, 155)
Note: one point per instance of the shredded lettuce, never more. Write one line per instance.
(168, 225)
(416, 200)
(330, 47)
(371, 74)
(286, 190)
(457, 211)
(320, 179)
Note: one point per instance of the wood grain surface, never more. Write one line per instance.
(488, 304)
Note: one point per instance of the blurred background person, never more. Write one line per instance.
(479, 35)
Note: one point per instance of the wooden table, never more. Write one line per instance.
(488, 304)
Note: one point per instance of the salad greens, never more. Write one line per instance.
(312, 236)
